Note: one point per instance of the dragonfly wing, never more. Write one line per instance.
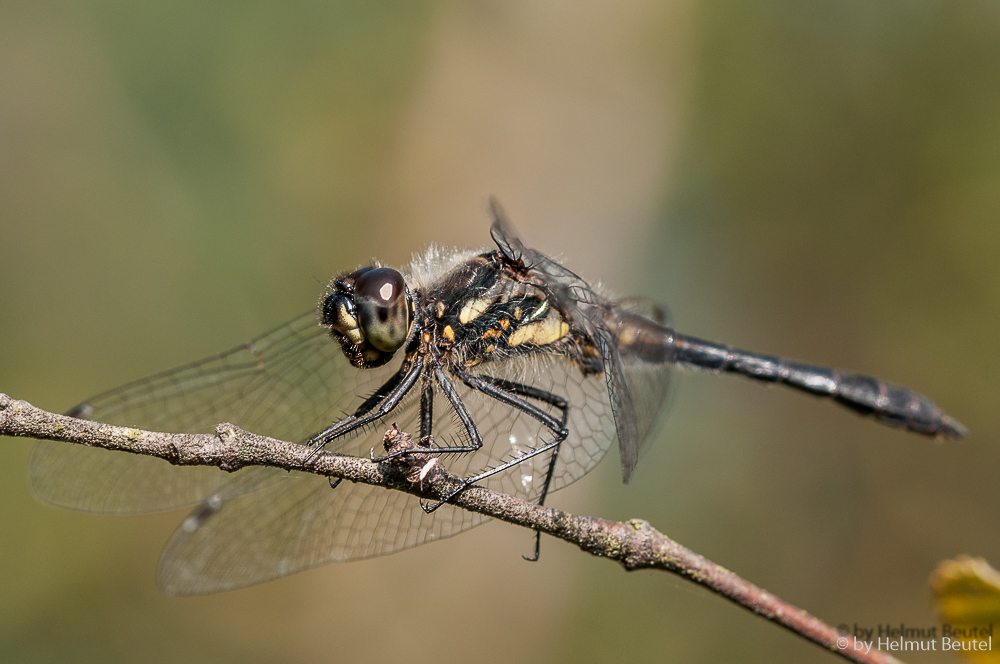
(509, 433)
(94, 480)
(295, 525)
(637, 388)
(622, 407)
(287, 384)
(648, 376)
(255, 529)
(646, 307)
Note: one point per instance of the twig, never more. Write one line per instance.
(634, 544)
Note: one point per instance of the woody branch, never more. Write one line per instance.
(634, 544)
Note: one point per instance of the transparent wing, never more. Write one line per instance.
(648, 382)
(288, 384)
(646, 307)
(637, 389)
(254, 529)
(508, 433)
(648, 385)
(295, 525)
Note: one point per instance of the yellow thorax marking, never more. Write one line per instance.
(474, 308)
(550, 329)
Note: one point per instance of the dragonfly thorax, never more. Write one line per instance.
(483, 311)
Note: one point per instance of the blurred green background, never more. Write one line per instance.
(819, 180)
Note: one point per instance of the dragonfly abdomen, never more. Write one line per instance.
(888, 403)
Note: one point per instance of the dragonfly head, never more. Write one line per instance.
(370, 312)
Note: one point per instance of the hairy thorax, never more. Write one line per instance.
(484, 310)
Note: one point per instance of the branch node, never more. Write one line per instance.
(639, 525)
(227, 432)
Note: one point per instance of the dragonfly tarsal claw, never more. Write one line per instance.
(538, 545)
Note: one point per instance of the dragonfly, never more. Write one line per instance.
(517, 374)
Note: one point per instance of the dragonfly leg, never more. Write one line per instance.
(513, 395)
(476, 440)
(544, 396)
(427, 410)
(466, 483)
(426, 425)
(398, 388)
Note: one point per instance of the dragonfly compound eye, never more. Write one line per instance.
(383, 308)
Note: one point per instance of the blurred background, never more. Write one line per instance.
(818, 180)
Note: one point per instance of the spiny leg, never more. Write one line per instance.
(426, 421)
(545, 397)
(426, 410)
(394, 390)
(466, 483)
(534, 393)
(476, 441)
(489, 388)
(376, 397)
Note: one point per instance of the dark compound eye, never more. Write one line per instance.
(383, 309)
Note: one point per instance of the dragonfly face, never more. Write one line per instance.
(517, 374)
(370, 312)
